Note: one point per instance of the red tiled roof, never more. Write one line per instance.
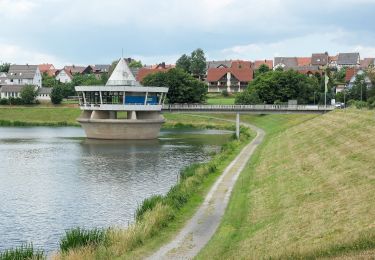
(241, 64)
(365, 63)
(242, 74)
(350, 72)
(143, 72)
(269, 63)
(303, 61)
(75, 69)
(46, 67)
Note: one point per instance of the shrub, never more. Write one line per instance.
(225, 93)
(78, 237)
(4, 101)
(371, 102)
(28, 94)
(26, 251)
(15, 101)
(57, 94)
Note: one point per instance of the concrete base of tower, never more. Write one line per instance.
(121, 129)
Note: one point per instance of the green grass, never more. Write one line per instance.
(78, 237)
(307, 193)
(220, 101)
(38, 116)
(23, 252)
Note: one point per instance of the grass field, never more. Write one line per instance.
(220, 101)
(307, 193)
(55, 115)
(40, 114)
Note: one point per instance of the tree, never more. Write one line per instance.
(262, 69)
(359, 89)
(48, 81)
(57, 94)
(279, 87)
(340, 75)
(28, 94)
(198, 63)
(184, 63)
(183, 88)
(135, 64)
(4, 67)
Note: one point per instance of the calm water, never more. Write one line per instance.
(53, 179)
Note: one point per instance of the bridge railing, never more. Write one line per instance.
(247, 107)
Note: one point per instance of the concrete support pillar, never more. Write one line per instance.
(112, 114)
(238, 125)
(97, 114)
(101, 98)
(132, 115)
(86, 114)
(228, 82)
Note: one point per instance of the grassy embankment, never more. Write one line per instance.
(64, 116)
(307, 193)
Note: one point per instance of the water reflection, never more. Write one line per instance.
(52, 179)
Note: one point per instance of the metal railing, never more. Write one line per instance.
(199, 107)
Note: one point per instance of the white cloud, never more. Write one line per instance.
(151, 60)
(16, 9)
(365, 51)
(294, 46)
(20, 55)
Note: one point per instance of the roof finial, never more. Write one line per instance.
(122, 53)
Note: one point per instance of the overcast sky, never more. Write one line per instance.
(93, 31)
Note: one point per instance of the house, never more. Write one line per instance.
(101, 68)
(218, 64)
(44, 94)
(285, 63)
(141, 73)
(332, 61)
(3, 78)
(340, 88)
(234, 78)
(301, 64)
(64, 76)
(47, 68)
(320, 59)
(351, 75)
(367, 62)
(303, 61)
(8, 91)
(258, 63)
(348, 60)
(75, 69)
(24, 74)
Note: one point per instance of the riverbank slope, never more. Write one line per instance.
(307, 193)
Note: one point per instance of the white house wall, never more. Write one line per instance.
(63, 77)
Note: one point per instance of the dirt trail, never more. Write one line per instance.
(201, 227)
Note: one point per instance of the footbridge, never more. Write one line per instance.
(253, 109)
(247, 109)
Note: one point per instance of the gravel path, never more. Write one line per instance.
(201, 227)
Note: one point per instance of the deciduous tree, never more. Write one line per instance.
(183, 88)
(28, 94)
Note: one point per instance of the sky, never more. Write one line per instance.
(86, 32)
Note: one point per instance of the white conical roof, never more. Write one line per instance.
(121, 76)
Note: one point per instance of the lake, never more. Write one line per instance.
(54, 179)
